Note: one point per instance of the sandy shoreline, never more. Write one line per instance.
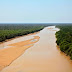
(18, 37)
(8, 55)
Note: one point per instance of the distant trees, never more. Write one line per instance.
(64, 39)
(8, 31)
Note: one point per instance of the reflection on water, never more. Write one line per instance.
(44, 56)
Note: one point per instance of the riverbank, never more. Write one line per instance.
(64, 39)
(8, 55)
(8, 31)
(18, 37)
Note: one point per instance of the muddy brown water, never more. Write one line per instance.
(44, 56)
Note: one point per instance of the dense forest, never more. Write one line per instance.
(8, 31)
(64, 39)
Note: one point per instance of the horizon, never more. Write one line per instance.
(54, 24)
(35, 23)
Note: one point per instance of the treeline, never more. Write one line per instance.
(64, 39)
(8, 31)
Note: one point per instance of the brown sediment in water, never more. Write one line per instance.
(8, 55)
(44, 56)
(54, 30)
(64, 54)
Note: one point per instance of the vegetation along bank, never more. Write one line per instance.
(8, 31)
(64, 39)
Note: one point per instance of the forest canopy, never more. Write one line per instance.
(8, 31)
(64, 39)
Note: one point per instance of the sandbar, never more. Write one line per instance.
(8, 55)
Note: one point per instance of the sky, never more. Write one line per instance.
(35, 11)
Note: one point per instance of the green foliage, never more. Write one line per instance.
(8, 31)
(64, 39)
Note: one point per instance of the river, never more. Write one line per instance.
(43, 56)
